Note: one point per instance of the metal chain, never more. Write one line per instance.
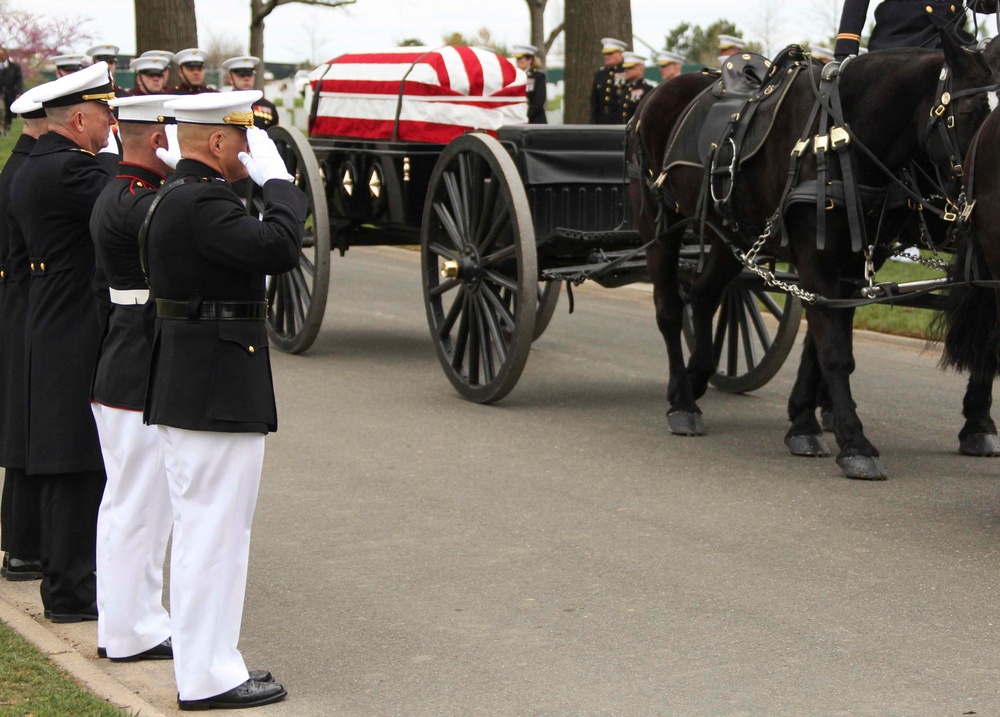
(749, 260)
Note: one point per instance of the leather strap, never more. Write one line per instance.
(211, 310)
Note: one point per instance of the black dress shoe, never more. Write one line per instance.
(102, 652)
(249, 694)
(163, 651)
(18, 569)
(87, 613)
(261, 676)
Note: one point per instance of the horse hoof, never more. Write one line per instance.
(980, 444)
(826, 420)
(809, 445)
(686, 423)
(862, 468)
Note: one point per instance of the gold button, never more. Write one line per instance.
(32, 265)
(250, 349)
(929, 9)
(2, 274)
(43, 266)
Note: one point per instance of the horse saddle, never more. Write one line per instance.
(728, 122)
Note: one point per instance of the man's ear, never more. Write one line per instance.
(215, 143)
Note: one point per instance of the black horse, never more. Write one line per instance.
(888, 100)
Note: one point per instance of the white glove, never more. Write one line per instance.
(171, 154)
(263, 162)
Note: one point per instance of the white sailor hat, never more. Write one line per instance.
(610, 44)
(666, 57)
(524, 51)
(165, 54)
(149, 64)
(144, 108)
(28, 106)
(91, 84)
(243, 62)
(70, 62)
(108, 53)
(823, 53)
(728, 42)
(631, 59)
(190, 56)
(232, 108)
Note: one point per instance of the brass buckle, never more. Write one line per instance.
(938, 111)
(967, 212)
(800, 147)
(839, 138)
(949, 214)
(821, 142)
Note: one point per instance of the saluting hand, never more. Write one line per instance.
(171, 154)
(263, 163)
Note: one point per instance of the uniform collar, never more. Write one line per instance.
(52, 142)
(25, 143)
(128, 170)
(199, 169)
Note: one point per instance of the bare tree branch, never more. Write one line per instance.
(556, 31)
(270, 5)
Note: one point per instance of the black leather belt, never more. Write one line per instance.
(212, 310)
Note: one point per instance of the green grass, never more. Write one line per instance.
(7, 143)
(31, 686)
(898, 320)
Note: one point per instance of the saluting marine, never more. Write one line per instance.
(209, 391)
(524, 56)
(191, 69)
(241, 72)
(903, 23)
(134, 520)
(636, 86)
(607, 89)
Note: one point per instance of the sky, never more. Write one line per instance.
(294, 32)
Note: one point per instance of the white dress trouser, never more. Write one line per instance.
(133, 527)
(213, 479)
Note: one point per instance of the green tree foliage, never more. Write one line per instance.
(702, 44)
(411, 42)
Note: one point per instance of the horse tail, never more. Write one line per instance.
(968, 323)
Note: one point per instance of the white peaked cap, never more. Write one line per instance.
(145, 64)
(524, 51)
(728, 41)
(610, 44)
(144, 108)
(631, 59)
(243, 62)
(666, 57)
(103, 51)
(89, 84)
(28, 102)
(231, 108)
(192, 54)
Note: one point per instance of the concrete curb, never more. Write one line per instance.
(25, 619)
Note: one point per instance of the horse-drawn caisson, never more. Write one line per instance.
(820, 169)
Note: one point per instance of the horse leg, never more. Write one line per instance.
(683, 416)
(805, 436)
(705, 296)
(831, 329)
(978, 436)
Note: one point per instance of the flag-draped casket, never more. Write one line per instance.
(417, 94)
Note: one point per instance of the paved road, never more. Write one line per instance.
(561, 554)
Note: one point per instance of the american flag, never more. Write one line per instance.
(435, 94)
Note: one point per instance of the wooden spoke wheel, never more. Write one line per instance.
(753, 331)
(479, 266)
(297, 298)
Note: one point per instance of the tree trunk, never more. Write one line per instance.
(536, 10)
(586, 23)
(165, 25)
(257, 37)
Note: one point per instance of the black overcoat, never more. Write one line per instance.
(535, 93)
(13, 304)
(606, 94)
(202, 246)
(898, 23)
(123, 362)
(51, 202)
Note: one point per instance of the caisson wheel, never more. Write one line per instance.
(753, 331)
(479, 267)
(297, 299)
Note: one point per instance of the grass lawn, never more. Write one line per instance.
(31, 686)
(898, 320)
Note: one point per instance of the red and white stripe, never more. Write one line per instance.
(445, 92)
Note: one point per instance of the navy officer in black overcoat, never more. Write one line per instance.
(19, 510)
(209, 392)
(50, 208)
(903, 23)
